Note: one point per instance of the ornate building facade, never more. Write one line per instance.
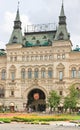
(36, 63)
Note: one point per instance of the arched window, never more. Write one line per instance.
(36, 73)
(50, 73)
(33, 38)
(44, 37)
(14, 39)
(61, 36)
(29, 73)
(23, 74)
(38, 42)
(43, 73)
(73, 72)
(2, 92)
(3, 74)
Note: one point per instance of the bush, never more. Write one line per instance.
(5, 120)
(37, 119)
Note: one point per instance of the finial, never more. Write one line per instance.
(62, 2)
(18, 4)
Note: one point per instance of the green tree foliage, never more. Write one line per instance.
(71, 100)
(73, 92)
(53, 99)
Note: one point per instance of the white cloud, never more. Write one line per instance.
(25, 21)
(9, 19)
(7, 25)
(2, 45)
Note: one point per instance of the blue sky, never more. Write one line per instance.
(38, 12)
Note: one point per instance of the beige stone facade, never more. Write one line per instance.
(25, 71)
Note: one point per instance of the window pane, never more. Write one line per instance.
(12, 93)
(73, 73)
(63, 56)
(23, 74)
(60, 75)
(29, 74)
(11, 58)
(41, 57)
(50, 73)
(3, 76)
(36, 73)
(12, 75)
(79, 73)
(15, 58)
(60, 93)
(23, 58)
(58, 56)
(43, 74)
(2, 92)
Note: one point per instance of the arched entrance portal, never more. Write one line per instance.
(36, 100)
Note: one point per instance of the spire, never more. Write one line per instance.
(17, 15)
(16, 36)
(62, 17)
(62, 33)
(17, 22)
(62, 10)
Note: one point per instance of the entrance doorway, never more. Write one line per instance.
(11, 107)
(36, 100)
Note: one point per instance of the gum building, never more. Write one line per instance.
(37, 62)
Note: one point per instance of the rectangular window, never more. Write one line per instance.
(15, 58)
(79, 73)
(27, 58)
(73, 73)
(36, 58)
(29, 74)
(41, 57)
(13, 76)
(58, 56)
(32, 58)
(50, 57)
(23, 58)
(35, 74)
(63, 56)
(60, 75)
(50, 73)
(3, 76)
(23, 75)
(43, 74)
(45, 57)
(11, 58)
(12, 93)
(60, 93)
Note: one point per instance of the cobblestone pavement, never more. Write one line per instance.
(23, 126)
